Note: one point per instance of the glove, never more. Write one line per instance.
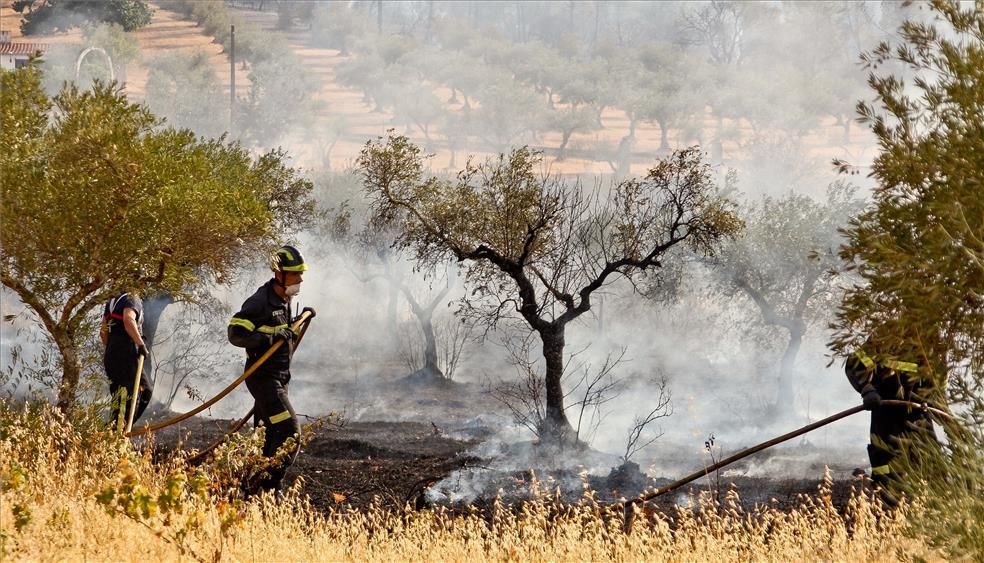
(311, 309)
(285, 334)
(142, 350)
(870, 398)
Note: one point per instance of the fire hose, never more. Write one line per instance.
(299, 326)
(200, 456)
(136, 393)
(630, 505)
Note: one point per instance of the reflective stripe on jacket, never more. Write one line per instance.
(261, 316)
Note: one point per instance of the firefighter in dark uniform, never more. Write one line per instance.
(263, 320)
(879, 378)
(121, 333)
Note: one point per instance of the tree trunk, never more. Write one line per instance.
(153, 309)
(430, 345)
(519, 22)
(326, 157)
(624, 157)
(556, 430)
(425, 316)
(430, 20)
(563, 145)
(717, 145)
(428, 143)
(786, 395)
(394, 298)
(664, 139)
(71, 369)
(597, 20)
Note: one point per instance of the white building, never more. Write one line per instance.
(16, 55)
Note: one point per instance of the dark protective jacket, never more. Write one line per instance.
(890, 425)
(254, 327)
(891, 378)
(120, 357)
(119, 339)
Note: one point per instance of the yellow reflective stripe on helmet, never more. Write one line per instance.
(865, 359)
(302, 267)
(881, 470)
(236, 321)
(902, 366)
(265, 329)
(287, 253)
(280, 417)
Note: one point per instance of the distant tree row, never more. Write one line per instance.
(511, 87)
(184, 86)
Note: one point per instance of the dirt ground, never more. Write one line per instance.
(446, 457)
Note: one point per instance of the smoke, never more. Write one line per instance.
(776, 110)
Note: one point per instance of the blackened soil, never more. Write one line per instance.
(393, 462)
(388, 461)
(351, 463)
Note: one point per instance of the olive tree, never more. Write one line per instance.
(98, 197)
(536, 248)
(183, 89)
(47, 16)
(281, 98)
(366, 248)
(785, 263)
(919, 249)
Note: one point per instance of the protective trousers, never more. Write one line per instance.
(890, 426)
(121, 368)
(273, 408)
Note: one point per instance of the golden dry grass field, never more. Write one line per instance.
(73, 492)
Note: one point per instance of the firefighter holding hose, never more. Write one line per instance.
(263, 320)
(878, 377)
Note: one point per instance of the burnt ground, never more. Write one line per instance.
(353, 462)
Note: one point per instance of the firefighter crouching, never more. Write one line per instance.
(879, 378)
(263, 320)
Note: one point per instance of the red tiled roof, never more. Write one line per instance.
(22, 48)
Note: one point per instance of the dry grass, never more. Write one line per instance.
(55, 505)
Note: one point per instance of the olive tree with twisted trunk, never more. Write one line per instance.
(98, 197)
(537, 248)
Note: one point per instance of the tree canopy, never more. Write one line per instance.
(786, 264)
(46, 16)
(920, 248)
(183, 89)
(99, 197)
(537, 248)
